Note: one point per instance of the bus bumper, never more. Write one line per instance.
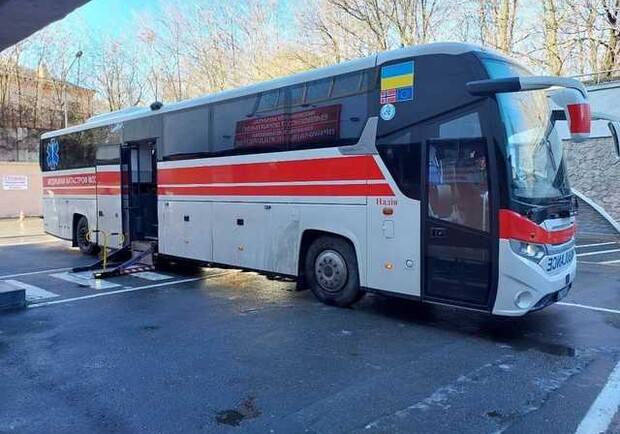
(524, 285)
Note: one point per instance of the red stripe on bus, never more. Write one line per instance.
(321, 169)
(282, 190)
(516, 227)
(109, 177)
(86, 179)
(108, 191)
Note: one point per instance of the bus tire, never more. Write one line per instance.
(332, 272)
(81, 237)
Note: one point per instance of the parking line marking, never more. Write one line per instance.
(33, 292)
(30, 273)
(119, 291)
(26, 243)
(151, 275)
(596, 244)
(603, 409)
(617, 261)
(583, 306)
(600, 252)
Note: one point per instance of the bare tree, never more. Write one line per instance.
(116, 74)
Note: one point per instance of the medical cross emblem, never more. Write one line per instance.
(52, 154)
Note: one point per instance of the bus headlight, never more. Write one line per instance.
(532, 251)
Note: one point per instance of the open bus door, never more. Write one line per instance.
(139, 182)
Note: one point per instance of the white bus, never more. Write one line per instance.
(431, 172)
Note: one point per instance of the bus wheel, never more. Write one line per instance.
(332, 272)
(81, 235)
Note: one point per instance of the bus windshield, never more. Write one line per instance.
(534, 149)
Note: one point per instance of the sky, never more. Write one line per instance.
(111, 16)
(115, 17)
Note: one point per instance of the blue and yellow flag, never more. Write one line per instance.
(397, 76)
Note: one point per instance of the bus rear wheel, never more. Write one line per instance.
(81, 237)
(332, 272)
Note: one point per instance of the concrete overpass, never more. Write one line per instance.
(21, 18)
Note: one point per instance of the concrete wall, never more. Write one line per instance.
(28, 201)
(594, 170)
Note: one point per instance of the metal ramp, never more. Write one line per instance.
(133, 258)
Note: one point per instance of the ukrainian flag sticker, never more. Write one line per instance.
(397, 82)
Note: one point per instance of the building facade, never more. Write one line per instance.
(31, 102)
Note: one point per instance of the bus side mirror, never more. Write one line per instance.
(577, 112)
(614, 128)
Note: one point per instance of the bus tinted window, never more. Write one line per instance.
(76, 150)
(347, 84)
(458, 189)
(318, 90)
(297, 94)
(266, 130)
(108, 154)
(334, 121)
(185, 132)
(269, 101)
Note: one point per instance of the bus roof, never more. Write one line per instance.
(315, 74)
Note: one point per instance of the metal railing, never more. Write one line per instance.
(598, 77)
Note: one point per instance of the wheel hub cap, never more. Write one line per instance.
(330, 271)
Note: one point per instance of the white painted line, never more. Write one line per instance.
(603, 409)
(30, 273)
(597, 244)
(119, 291)
(600, 252)
(583, 306)
(151, 275)
(26, 243)
(85, 278)
(617, 261)
(33, 293)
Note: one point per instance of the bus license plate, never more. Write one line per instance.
(563, 292)
(559, 261)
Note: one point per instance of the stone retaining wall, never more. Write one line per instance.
(594, 170)
(19, 144)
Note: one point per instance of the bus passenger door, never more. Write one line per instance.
(139, 180)
(457, 249)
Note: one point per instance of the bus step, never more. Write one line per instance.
(112, 258)
(123, 271)
(141, 260)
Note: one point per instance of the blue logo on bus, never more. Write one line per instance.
(52, 154)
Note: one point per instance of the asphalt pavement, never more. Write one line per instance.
(209, 350)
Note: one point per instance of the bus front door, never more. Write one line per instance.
(139, 173)
(458, 244)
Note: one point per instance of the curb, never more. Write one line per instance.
(11, 297)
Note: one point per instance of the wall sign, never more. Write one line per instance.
(14, 182)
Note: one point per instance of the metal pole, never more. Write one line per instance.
(64, 92)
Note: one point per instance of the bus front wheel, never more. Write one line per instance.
(332, 271)
(81, 237)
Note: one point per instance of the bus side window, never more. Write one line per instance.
(185, 132)
(318, 90)
(458, 182)
(226, 125)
